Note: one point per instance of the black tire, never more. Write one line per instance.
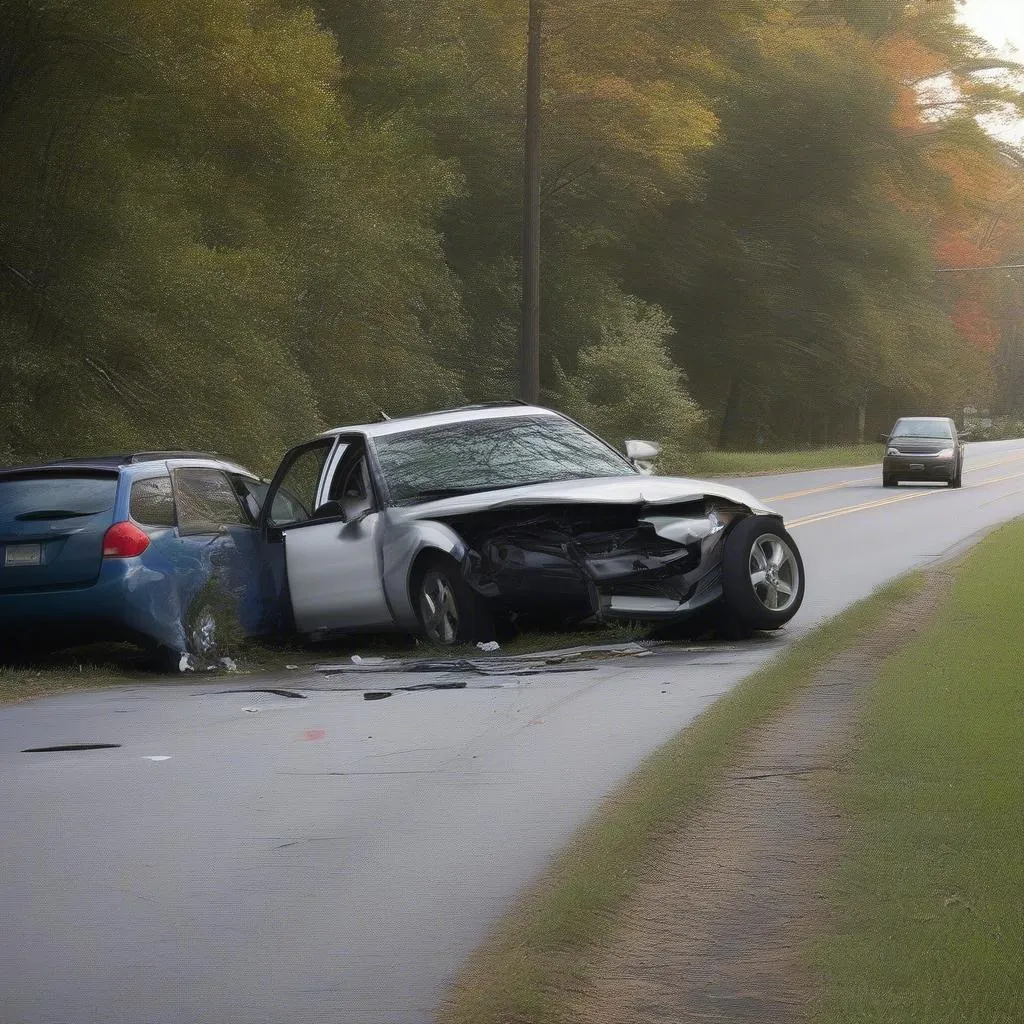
(888, 480)
(201, 628)
(749, 600)
(461, 617)
(957, 480)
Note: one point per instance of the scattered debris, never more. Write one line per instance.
(490, 646)
(60, 748)
(454, 684)
(515, 665)
(291, 668)
(157, 757)
(377, 694)
(294, 694)
(188, 663)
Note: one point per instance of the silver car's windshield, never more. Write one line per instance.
(488, 454)
(922, 428)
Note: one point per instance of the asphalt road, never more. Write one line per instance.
(257, 859)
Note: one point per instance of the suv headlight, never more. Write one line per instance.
(893, 451)
(946, 453)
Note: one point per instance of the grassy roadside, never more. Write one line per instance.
(529, 968)
(761, 463)
(927, 908)
(19, 684)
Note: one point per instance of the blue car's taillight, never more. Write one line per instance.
(124, 540)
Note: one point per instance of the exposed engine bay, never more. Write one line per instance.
(612, 561)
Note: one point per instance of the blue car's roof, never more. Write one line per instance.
(114, 463)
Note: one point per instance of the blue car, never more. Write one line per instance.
(148, 548)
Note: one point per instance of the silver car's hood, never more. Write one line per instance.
(624, 490)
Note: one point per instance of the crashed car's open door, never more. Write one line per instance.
(322, 509)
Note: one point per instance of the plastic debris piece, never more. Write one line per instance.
(229, 664)
(491, 645)
(377, 694)
(291, 668)
(157, 757)
(186, 663)
(455, 684)
(294, 694)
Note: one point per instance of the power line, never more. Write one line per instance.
(1001, 266)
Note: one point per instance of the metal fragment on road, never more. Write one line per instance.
(520, 664)
(293, 694)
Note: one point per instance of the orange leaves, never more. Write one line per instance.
(975, 324)
(956, 248)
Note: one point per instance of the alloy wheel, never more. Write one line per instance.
(774, 572)
(439, 608)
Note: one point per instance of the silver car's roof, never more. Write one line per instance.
(436, 419)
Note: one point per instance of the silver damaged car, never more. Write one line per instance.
(455, 523)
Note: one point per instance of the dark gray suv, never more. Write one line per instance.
(923, 448)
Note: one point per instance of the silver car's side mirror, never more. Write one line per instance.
(642, 454)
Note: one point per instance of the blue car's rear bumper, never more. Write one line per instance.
(127, 602)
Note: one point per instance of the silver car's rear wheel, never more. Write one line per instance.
(774, 572)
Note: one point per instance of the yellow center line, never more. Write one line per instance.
(818, 490)
(866, 479)
(866, 506)
(847, 510)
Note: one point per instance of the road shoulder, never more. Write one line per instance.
(659, 909)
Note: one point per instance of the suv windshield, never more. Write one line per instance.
(922, 428)
(484, 455)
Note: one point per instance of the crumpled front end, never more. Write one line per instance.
(633, 562)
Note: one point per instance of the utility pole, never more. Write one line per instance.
(529, 356)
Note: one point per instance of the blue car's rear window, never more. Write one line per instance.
(44, 495)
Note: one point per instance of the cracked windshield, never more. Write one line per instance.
(490, 490)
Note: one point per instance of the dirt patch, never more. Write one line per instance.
(719, 925)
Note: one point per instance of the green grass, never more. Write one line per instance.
(530, 966)
(763, 462)
(929, 903)
(18, 683)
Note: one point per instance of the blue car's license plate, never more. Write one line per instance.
(22, 554)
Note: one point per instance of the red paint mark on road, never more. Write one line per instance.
(314, 734)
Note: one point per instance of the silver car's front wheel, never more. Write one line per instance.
(762, 573)
(774, 572)
(439, 608)
(449, 610)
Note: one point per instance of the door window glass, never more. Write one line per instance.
(206, 501)
(295, 498)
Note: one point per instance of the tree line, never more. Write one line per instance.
(229, 224)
